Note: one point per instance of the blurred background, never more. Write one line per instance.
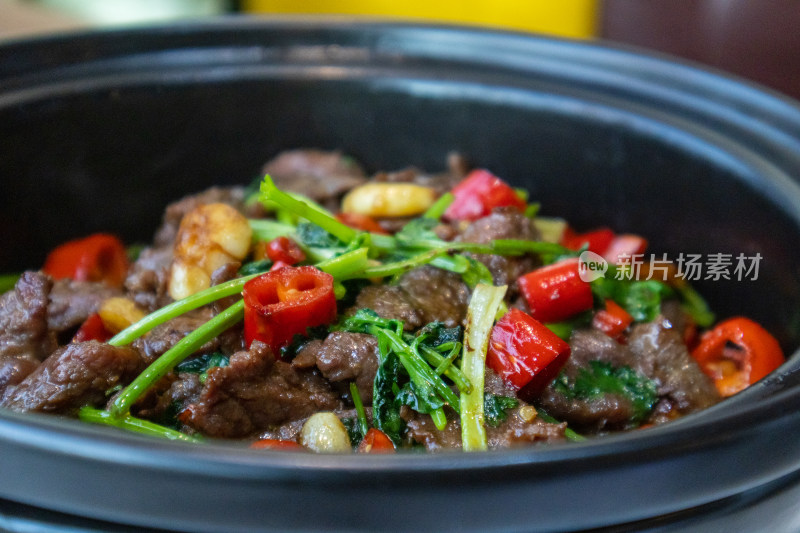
(755, 39)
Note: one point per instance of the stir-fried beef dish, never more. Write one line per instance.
(321, 309)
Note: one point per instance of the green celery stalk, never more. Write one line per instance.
(481, 313)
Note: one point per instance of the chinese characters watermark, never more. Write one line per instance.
(689, 267)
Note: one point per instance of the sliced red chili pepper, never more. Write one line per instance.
(737, 353)
(361, 222)
(525, 353)
(376, 441)
(612, 320)
(92, 329)
(98, 257)
(283, 303)
(597, 240)
(626, 245)
(479, 193)
(276, 444)
(556, 292)
(285, 250)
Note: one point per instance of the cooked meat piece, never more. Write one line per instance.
(389, 301)
(231, 340)
(608, 411)
(73, 376)
(662, 355)
(148, 278)
(168, 397)
(226, 272)
(437, 294)
(165, 336)
(23, 319)
(256, 392)
(71, 302)
(441, 182)
(424, 294)
(345, 356)
(165, 236)
(319, 175)
(503, 223)
(674, 317)
(15, 368)
(514, 431)
(654, 351)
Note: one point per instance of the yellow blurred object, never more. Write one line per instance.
(118, 313)
(567, 18)
(388, 200)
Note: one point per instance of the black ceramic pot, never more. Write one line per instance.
(100, 131)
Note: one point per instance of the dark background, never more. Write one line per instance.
(756, 39)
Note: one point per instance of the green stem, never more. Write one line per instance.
(481, 312)
(130, 423)
(399, 267)
(510, 247)
(451, 371)
(180, 351)
(341, 231)
(439, 206)
(569, 434)
(418, 369)
(439, 419)
(204, 297)
(346, 264)
(361, 414)
(266, 230)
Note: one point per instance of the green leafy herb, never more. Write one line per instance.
(427, 383)
(255, 267)
(202, 364)
(695, 306)
(422, 401)
(297, 343)
(602, 378)
(313, 235)
(642, 299)
(353, 428)
(418, 233)
(385, 411)
(495, 407)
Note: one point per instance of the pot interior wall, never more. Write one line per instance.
(109, 158)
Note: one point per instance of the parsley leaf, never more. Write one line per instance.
(495, 407)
